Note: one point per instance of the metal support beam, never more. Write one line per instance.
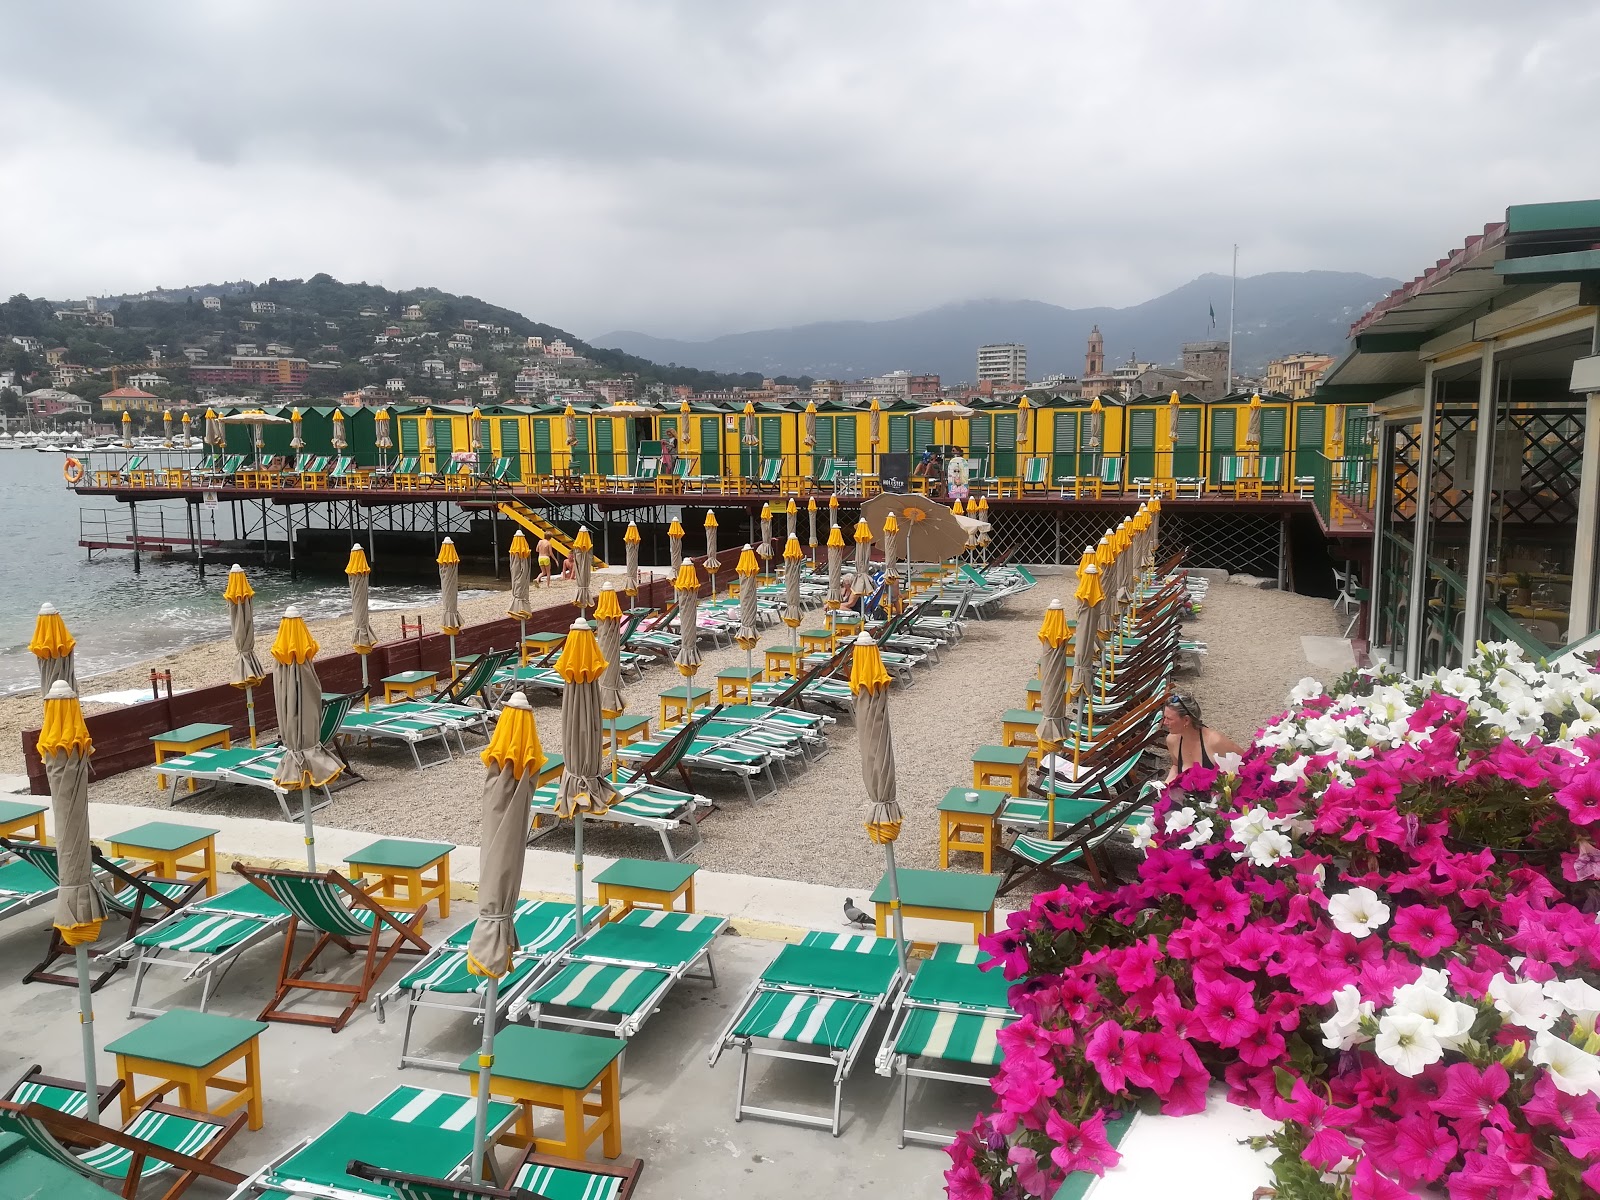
(1482, 503)
(1583, 556)
(133, 514)
(1383, 505)
(1417, 594)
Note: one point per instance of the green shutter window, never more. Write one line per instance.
(1274, 429)
(922, 433)
(771, 437)
(1005, 446)
(408, 436)
(709, 446)
(580, 448)
(511, 447)
(1141, 443)
(899, 434)
(1186, 450)
(844, 438)
(1310, 427)
(1224, 432)
(823, 450)
(1064, 447)
(541, 445)
(1089, 455)
(443, 439)
(604, 459)
(1357, 432)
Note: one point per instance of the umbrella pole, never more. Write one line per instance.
(1050, 814)
(452, 656)
(311, 833)
(480, 1120)
(86, 1022)
(894, 904)
(577, 866)
(522, 641)
(366, 686)
(250, 710)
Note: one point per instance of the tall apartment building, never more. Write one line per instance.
(1209, 360)
(1007, 363)
(1296, 375)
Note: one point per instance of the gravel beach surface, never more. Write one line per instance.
(812, 830)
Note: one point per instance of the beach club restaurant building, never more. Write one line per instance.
(1484, 377)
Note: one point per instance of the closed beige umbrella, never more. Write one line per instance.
(833, 511)
(338, 430)
(874, 429)
(64, 748)
(358, 571)
(891, 578)
(511, 765)
(52, 645)
(475, 430)
(1053, 636)
(127, 430)
(792, 558)
(380, 436)
(608, 631)
(1252, 428)
(166, 428)
(687, 592)
(582, 568)
(1025, 422)
(449, 578)
(862, 584)
(791, 511)
(712, 563)
(835, 569)
(810, 439)
(569, 420)
(749, 633)
(675, 545)
(427, 441)
(1174, 408)
(521, 555)
(764, 546)
(584, 786)
(811, 517)
(296, 442)
(214, 433)
(187, 422)
(869, 681)
(1086, 647)
(306, 762)
(630, 547)
(1097, 424)
(247, 672)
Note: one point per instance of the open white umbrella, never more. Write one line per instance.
(584, 786)
(511, 765)
(247, 672)
(358, 571)
(297, 692)
(449, 563)
(869, 681)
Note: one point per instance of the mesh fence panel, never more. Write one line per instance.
(1247, 543)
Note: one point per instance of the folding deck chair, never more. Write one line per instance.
(1031, 855)
(241, 765)
(411, 731)
(161, 1140)
(59, 1095)
(821, 996)
(441, 980)
(645, 470)
(1036, 475)
(535, 1175)
(771, 474)
(137, 899)
(340, 914)
(951, 1012)
(412, 1130)
(203, 941)
(616, 977)
(716, 748)
(22, 887)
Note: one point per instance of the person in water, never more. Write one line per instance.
(1190, 741)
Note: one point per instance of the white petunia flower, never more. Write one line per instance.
(1143, 835)
(1452, 1020)
(1203, 830)
(1407, 1043)
(1305, 690)
(1179, 819)
(1290, 772)
(1229, 764)
(1358, 912)
(1577, 997)
(1250, 825)
(1523, 1004)
(1268, 847)
(1572, 1070)
(1343, 1030)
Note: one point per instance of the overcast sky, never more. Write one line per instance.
(688, 169)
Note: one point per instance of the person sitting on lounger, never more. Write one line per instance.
(1190, 741)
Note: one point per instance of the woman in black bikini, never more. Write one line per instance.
(1190, 742)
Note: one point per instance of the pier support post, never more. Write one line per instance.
(288, 524)
(133, 513)
(192, 518)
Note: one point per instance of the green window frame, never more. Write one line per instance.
(1064, 446)
(1186, 450)
(1310, 430)
(844, 438)
(1224, 439)
(511, 446)
(604, 454)
(541, 445)
(823, 450)
(409, 436)
(580, 448)
(1005, 446)
(899, 433)
(709, 446)
(443, 439)
(1141, 443)
(1274, 429)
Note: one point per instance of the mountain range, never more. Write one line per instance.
(1277, 313)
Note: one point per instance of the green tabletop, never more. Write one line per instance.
(985, 802)
(686, 693)
(404, 1146)
(25, 1173)
(163, 836)
(1034, 685)
(182, 1038)
(191, 733)
(941, 889)
(544, 639)
(17, 810)
(401, 853)
(650, 874)
(1011, 756)
(410, 677)
(549, 1056)
(746, 673)
(627, 722)
(816, 633)
(1022, 716)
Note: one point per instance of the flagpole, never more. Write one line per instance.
(1233, 289)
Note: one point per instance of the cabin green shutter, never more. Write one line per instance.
(443, 440)
(1310, 427)
(1224, 431)
(1186, 451)
(408, 437)
(1005, 445)
(541, 445)
(771, 438)
(922, 434)
(1089, 455)
(1064, 459)
(978, 445)
(1141, 443)
(1274, 429)
(844, 439)
(580, 448)
(823, 450)
(710, 445)
(511, 447)
(604, 459)
(1357, 432)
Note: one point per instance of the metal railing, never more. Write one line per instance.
(1343, 490)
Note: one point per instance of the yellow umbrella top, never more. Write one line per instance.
(1255, 400)
(711, 519)
(294, 643)
(811, 407)
(211, 414)
(890, 525)
(1095, 406)
(580, 660)
(683, 406)
(238, 588)
(1088, 559)
(863, 531)
(167, 416)
(608, 609)
(294, 414)
(749, 409)
(766, 512)
(50, 636)
(632, 536)
(983, 504)
(957, 509)
(811, 504)
(688, 578)
(519, 546)
(186, 418)
(515, 743)
(1089, 590)
(833, 501)
(873, 407)
(583, 541)
(1141, 520)
(127, 417)
(1104, 554)
(338, 416)
(866, 666)
(477, 413)
(447, 553)
(64, 729)
(358, 564)
(1053, 631)
(674, 530)
(427, 413)
(836, 536)
(791, 548)
(748, 565)
(569, 411)
(1173, 399)
(1155, 504)
(792, 507)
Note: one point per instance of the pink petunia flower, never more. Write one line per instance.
(1081, 1147)
(1428, 931)
(1324, 1123)
(1370, 1184)
(963, 1182)
(1472, 1098)
(1581, 796)
(1226, 1010)
(1035, 1177)
(1422, 1149)
(1108, 1051)
(1153, 1060)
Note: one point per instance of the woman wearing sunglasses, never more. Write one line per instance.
(1190, 741)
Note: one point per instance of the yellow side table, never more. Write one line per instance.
(406, 874)
(969, 811)
(408, 684)
(572, 1073)
(172, 848)
(782, 662)
(675, 702)
(1007, 765)
(199, 735)
(22, 817)
(187, 1052)
(634, 883)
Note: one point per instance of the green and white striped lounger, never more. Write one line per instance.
(204, 940)
(622, 971)
(458, 717)
(242, 766)
(418, 1131)
(412, 731)
(724, 752)
(643, 803)
(820, 996)
(23, 886)
(785, 718)
(540, 1175)
(442, 980)
(833, 692)
(951, 1012)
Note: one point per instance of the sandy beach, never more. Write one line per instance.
(811, 831)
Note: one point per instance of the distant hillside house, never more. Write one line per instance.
(147, 380)
(433, 367)
(194, 354)
(68, 374)
(56, 355)
(249, 326)
(461, 341)
(214, 303)
(51, 402)
(263, 306)
(246, 348)
(1003, 363)
(469, 325)
(130, 399)
(1296, 375)
(370, 312)
(489, 381)
(559, 349)
(466, 366)
(411, 312)
(31, 345)
(535, 344)
(396, 385)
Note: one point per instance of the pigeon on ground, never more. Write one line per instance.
(854, 915)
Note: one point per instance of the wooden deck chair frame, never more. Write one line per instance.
(35, 1075)
(1082, 839)
(377, 956)
(465, 1190)
(771, 476)
(69, 1131)
(1036, 474)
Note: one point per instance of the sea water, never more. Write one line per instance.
(119, 617)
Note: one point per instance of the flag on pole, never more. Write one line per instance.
(1212, 308)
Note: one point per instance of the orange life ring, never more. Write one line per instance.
(72, 471)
